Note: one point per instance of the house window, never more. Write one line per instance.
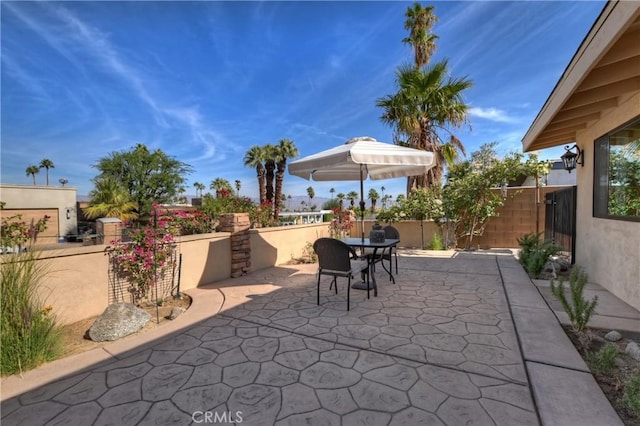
(616, 183)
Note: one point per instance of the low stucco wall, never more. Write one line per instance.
(410, 232)
(278, 245)
(77, 284)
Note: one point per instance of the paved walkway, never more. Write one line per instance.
(462, 338)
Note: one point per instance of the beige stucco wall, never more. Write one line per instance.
(410, 232)
(278, 245)
(608, 250)
(32, 197)
(77, 283)
(206, 258)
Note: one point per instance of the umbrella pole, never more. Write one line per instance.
(362, 202)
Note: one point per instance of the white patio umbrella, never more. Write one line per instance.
(361, 158)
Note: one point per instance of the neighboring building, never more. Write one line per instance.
(596, 105)
(557, 176)
(34, 202)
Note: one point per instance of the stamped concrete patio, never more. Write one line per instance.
(462, 338)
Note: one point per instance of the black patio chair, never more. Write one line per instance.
(337, 259)
(390, 233)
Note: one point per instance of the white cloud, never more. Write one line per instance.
(492, 114)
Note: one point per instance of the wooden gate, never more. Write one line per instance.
(560, 219)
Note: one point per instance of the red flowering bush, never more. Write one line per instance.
(14, 232)
(192, 222)
(148, 257)
(263, 214)
(340, 225)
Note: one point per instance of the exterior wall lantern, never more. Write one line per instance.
(570, 159)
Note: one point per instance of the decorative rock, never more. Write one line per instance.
(613, 336)
(633, 350)
(175, 312)
(117, 321)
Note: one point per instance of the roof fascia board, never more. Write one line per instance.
(611, 23)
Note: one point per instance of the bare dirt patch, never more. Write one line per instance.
(612, 383)
(75, 337)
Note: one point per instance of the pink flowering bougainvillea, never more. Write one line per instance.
(149, 256)
(192, 222)
(14, 232)
(340, 225)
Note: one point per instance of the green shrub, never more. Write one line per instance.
(631, 395)
(29, 336)
(435, 243)
(603, 361)
(534, 253)
(580, 309)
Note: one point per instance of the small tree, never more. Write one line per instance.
(470, 197)
(423, 204)
(110, 199)
(148, 177)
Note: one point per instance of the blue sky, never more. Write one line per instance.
(204, 81)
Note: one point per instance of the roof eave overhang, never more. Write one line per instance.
(594, 80)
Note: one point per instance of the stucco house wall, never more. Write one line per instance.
(607, 249)
(32, 200)
(598, 92)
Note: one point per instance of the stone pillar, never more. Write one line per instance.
(238, 224)
(108, 229)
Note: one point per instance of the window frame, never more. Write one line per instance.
(601, 162)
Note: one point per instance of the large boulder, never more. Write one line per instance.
(117, 321)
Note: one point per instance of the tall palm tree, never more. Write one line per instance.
(289, 202)
(47, 164)
(419, 22)
(33, 171)
(219, 184)
(238, 186)
(385, 200)
(340, 198)
(352, 196)
(270, 155)
(254, 157)
(285, 150)
(332, 191)
(199, 188)
(110, 199)
(311, 193)
(373, 196)
(427, 101)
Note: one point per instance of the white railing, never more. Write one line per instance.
(300, 218)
